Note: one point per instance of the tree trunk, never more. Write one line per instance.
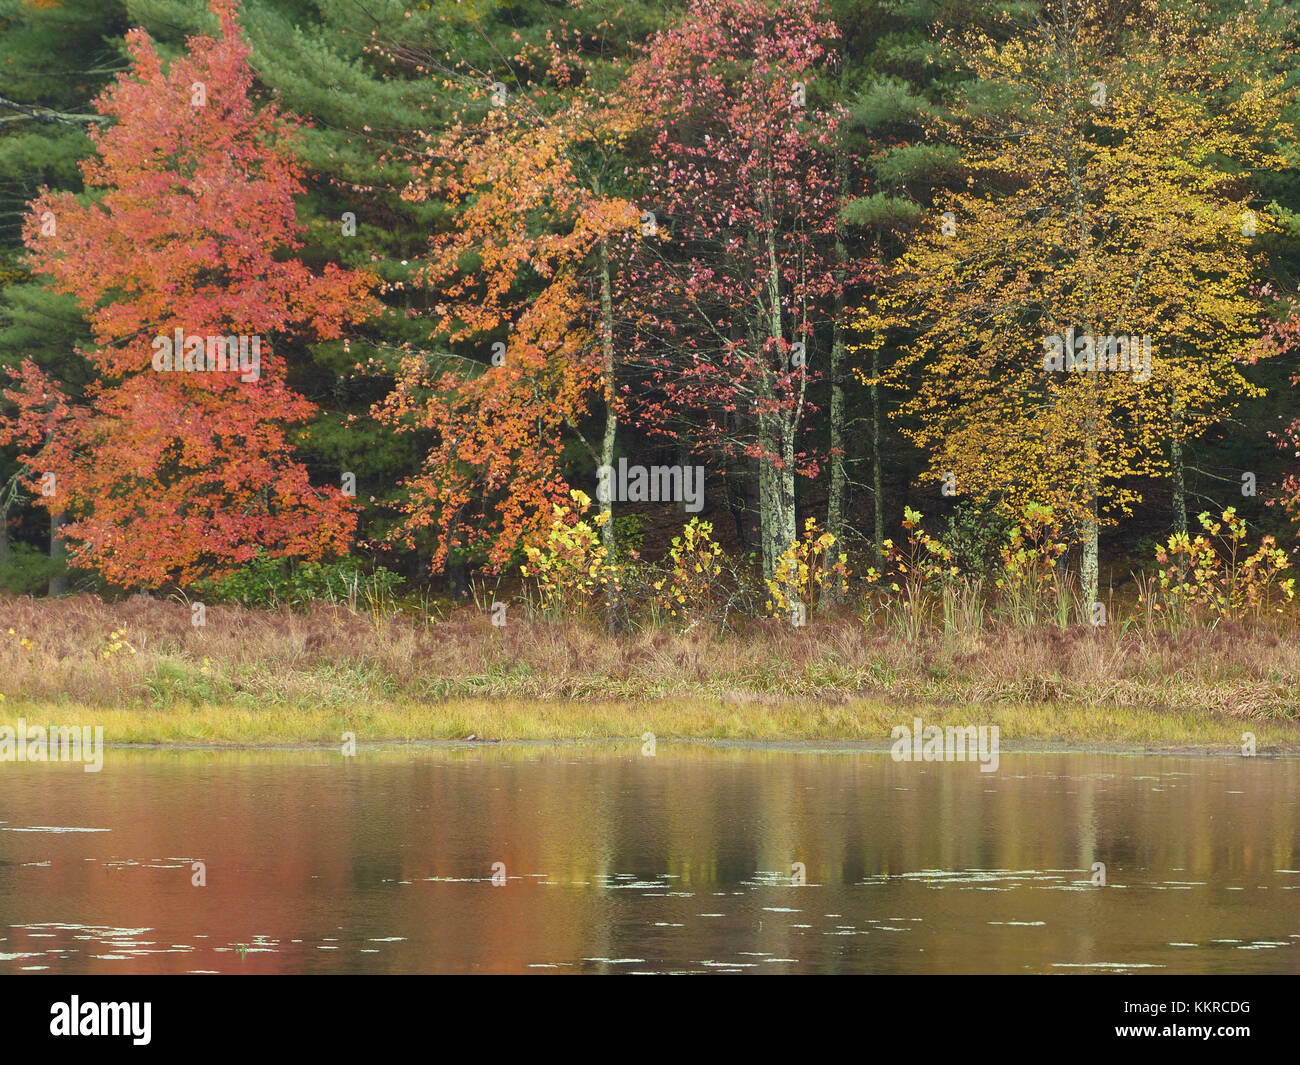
(877, 476)
(684, 463)
(610, 435)
(776, 444)
(839, 479)
(835, 499)
(838, 491)
(1088, 566)
(1176, 475)
(457, 582)
(58, 582)
(775, 495)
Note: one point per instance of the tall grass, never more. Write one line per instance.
(958, 648)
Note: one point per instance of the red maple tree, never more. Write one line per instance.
(186, 232)
(741, 176)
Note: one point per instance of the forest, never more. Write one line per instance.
(936, 313)
(650, 486)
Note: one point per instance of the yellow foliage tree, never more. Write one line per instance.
(1105, 216)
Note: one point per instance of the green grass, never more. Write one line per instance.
(860, 720)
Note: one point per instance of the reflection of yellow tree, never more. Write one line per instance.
(717, 815)
(1099, 202)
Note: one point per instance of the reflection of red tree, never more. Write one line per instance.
(308, 846)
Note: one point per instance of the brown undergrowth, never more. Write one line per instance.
(145, 652)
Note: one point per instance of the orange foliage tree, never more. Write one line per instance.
(185, 234)
(522, 283)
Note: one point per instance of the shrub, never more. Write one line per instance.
(571, 566)
(1030, 566)
(919, 572)
(28, 570)
(693, 585)
(1199, 581)
(975, 538)
(804, 572)
(276, 582)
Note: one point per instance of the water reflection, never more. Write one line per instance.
(613, 862)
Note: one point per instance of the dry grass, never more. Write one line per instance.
(330, 659)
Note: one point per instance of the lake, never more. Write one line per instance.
(595, 858)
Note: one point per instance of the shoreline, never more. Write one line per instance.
(1029, 747)
(802, 725)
